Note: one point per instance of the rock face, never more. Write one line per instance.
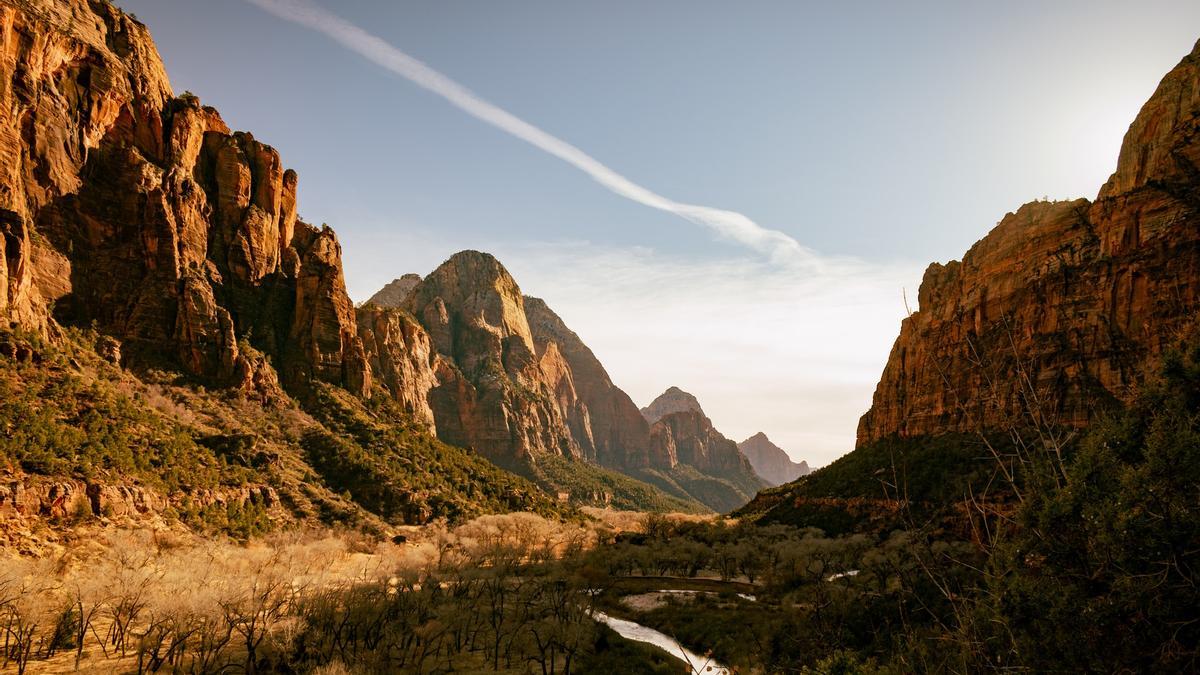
(33, 496)
(673, 400)
(401, 357)
(683, 434)
(125, 207)
(394, 294)
(503, 374)
(1056, 312)
(770, 462)
(495, 391)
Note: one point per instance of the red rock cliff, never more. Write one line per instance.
(1057, 310)
(496, 392)
(128, 208)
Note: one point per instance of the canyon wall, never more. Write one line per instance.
(1052, 317)
(127, 208)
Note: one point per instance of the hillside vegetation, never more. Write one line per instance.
(69, 413)
(591, 484)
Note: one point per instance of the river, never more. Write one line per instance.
(639, 633)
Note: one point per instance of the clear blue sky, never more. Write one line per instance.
(895, 133)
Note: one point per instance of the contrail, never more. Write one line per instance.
(729, 224)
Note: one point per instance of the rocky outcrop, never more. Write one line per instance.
(683, 434)
(504, 375)
(495, 391)
(1053, 316)
(689, 438)
(770, 461)
(24, 496)
(673, 400)
(394, 294)
(401, 356)
(125, 207)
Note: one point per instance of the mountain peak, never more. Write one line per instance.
(471, 257)
(770, 461)
(476, 288)
(393, 294)
(673, 400)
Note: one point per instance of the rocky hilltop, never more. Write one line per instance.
(673, 400)
(496, 391)
(682, 433)
(456, 349)
(1057, 311)
(770, 461)
(682, 436)
(394, 294)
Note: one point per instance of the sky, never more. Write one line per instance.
(732, 198)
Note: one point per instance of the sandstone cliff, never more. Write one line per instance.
(158, 291)
(125, 207)
(770, 461)
(401, 358)
(496, 392)
(497, 371)
(1053, 316)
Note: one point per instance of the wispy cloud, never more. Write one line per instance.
(787, 341)
(778, 246)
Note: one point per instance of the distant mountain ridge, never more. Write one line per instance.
(682, 435)
(770, 461)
